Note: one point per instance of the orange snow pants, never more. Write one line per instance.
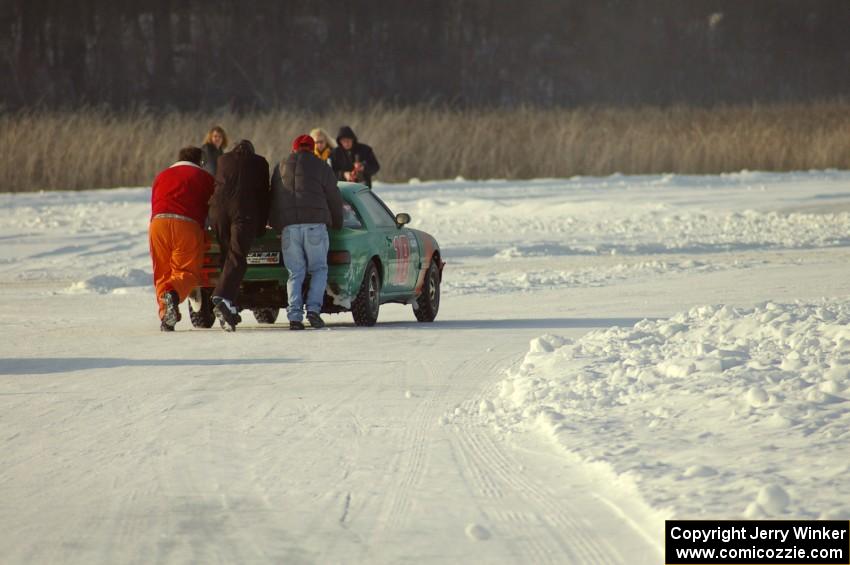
(177, 251)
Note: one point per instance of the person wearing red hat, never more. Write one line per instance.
(305, 203)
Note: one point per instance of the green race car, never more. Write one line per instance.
(374, 259)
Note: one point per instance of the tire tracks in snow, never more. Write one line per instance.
(410, 463)
(494, 474)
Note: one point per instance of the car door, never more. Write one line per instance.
(400, 249)
(406, 260)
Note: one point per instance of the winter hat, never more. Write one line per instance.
(346, 132)
(303, 143)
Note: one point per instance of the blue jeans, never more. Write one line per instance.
(305, 250)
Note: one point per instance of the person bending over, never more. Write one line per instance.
(179, 205)
(239, 213)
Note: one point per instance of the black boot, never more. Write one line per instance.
(227, 317)
(295, 325)
(315, 320)
(171, 315)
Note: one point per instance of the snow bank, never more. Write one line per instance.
(716, 412)
(477, 281)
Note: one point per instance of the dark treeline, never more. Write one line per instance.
(209, 54)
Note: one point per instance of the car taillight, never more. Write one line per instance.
(339, 257)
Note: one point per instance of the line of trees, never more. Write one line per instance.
(260, 54)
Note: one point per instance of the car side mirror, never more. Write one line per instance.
(402, 219)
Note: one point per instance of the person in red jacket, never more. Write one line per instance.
(179, 206)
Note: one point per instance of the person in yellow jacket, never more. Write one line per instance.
(324, 144)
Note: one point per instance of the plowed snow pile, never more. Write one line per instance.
(717, 411)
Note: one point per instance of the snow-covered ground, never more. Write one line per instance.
(610, 352)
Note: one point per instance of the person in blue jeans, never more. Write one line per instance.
(305, 250)
(305, 202)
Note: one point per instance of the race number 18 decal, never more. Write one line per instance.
(402, 252)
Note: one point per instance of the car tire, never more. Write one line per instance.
(367, 304)
(266, 315)
(428, 301)
(203, 317)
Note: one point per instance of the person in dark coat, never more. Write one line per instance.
(214, 145)
(305, 202)
(240, 208)
(353, 161)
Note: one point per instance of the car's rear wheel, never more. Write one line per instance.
(266, 315)
(367, 304)
(201, 308)
(428, 301)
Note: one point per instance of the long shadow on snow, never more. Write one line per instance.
(52, 365)
(511, 324)
(497, 324)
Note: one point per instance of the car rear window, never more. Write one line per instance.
(350, 219)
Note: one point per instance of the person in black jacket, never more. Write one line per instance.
(353, 161)
(214, 145)
(305, 202)
(239, 212)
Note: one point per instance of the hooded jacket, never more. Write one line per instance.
(343, 161)
(304, 191)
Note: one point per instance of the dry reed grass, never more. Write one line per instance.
(91, 148)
